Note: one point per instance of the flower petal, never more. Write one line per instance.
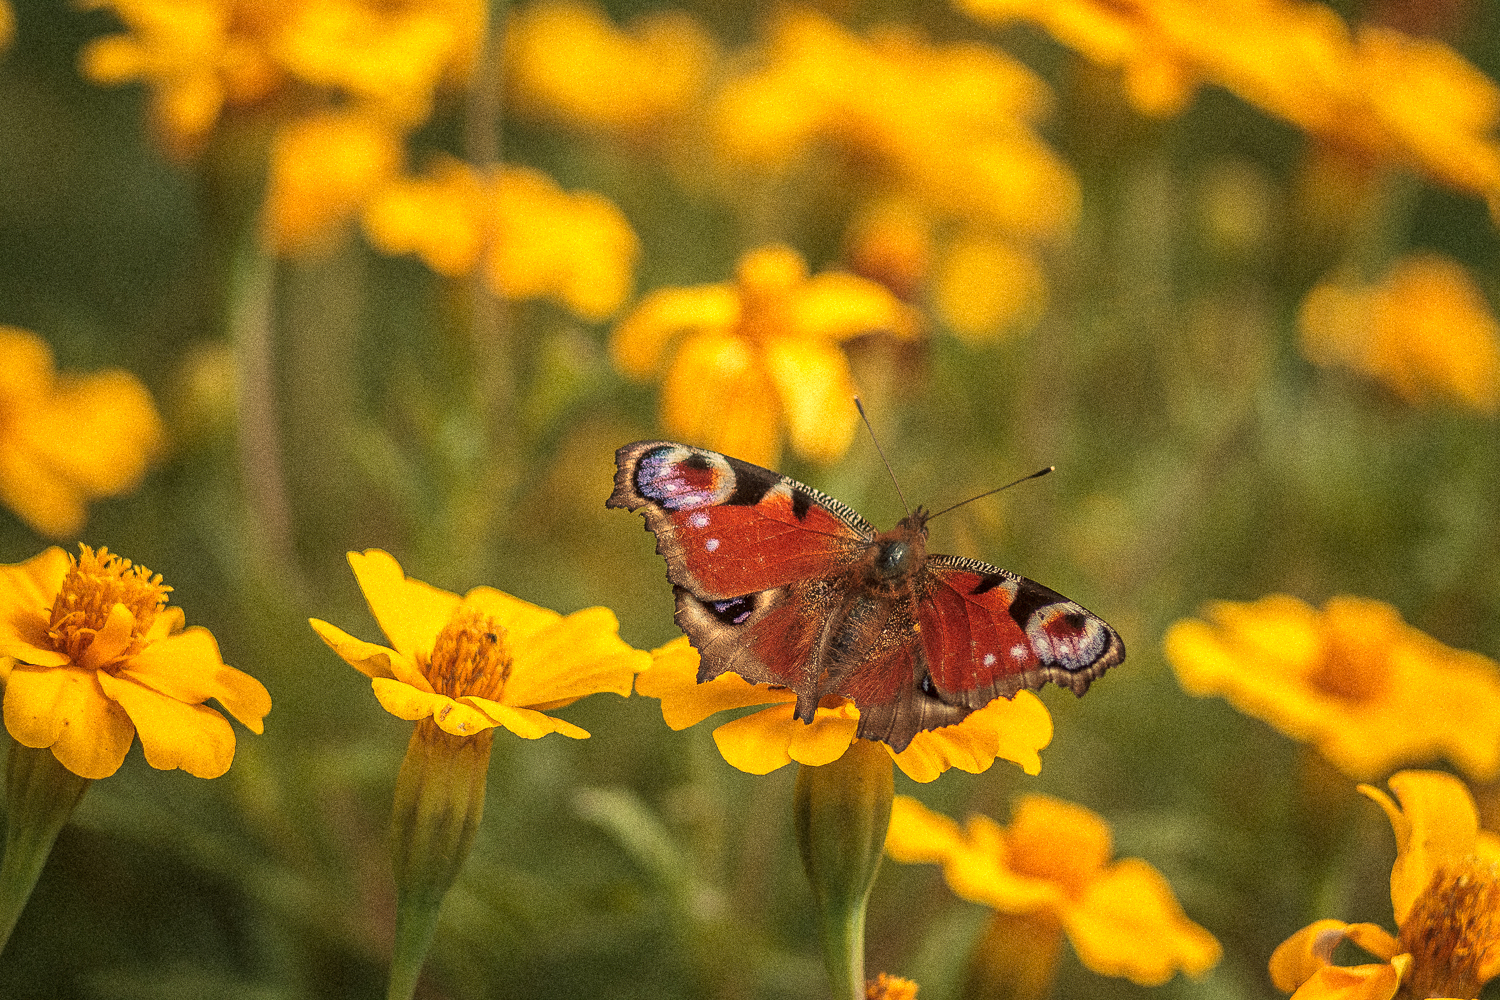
(673, 678)
(759, 743)
(27, 593)
(406, 702)
(368, 658)
(111, 641)
(579, 655)
(528, 723)
(1013, 728)
(813, 383)
(826, 738)
(1128, 923)
(173, 734)
(1296, 959)
(65, 709)
(640, 339)
(188, 667)
(917, 834)
(411, 613)
(1437, 823)
(835, 306)
(717, 393)
(1356, 982)
(521, 619)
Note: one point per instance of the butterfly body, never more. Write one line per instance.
(785, 585)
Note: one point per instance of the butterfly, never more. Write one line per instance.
(785, 585)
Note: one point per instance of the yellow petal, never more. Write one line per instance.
(1296, 959)
(173, 734)
(581, 654)
(1357, 982)
(837, 306)
(982, 873)
(640, 340)
(1061, 841)
(368, 658)
(826, 738)
(411, 613)
(673, 678)
(528, 723)
(189, 668)
(718, 394)
(27, 592)
(917, 834)
(65, 709)
(521, 619)
(759, 743)
(458, 718)
(112, 640)
(406, 702)
(1129, 924)
(1011, 728)
(1437, 823)
(816, 392)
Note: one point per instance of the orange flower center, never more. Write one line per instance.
(1453, 930)
(94, 585)
(470, 656)
(1355, 665)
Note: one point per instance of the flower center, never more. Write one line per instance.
(94, 584)
(470, 656)
(1357, 642)
(1453, 931)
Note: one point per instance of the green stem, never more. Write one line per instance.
(40, 795)
(842, 811)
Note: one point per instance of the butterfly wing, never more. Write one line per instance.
(988, 633)
(750, 553)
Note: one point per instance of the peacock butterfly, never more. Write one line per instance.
(785, 585)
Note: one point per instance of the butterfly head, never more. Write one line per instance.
(900, 552)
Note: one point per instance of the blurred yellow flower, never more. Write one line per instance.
(7, 25)
(91, 655)
(67, 439)
(1406, 100)
(758, 354)
(1425, 330)
(759, 743)
(200, 57)
(952, 126)
(566, 60)
(986, 286)
(886, 987)
(324, 169)
(1052, 866)
(1354, 680)
(1445, 891)
(482, 660)
(531, 238)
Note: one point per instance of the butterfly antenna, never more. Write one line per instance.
(881, 452)
(1035, 475)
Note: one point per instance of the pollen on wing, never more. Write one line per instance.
(1453, 930)
(94, 584)
(470, 656)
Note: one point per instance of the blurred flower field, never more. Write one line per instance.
(321, 322)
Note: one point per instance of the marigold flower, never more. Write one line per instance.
(568, 61)
(1424, 330)
(1052, 864)
(1445, 891)
(1402, 99)
(759, 353)
(532, 239)
(67, 439)
(986, 287)
(951, 125)
(759, 743)
(482, 660)
(92, 656)
(324, 169)
(886, 987)
(1368, 690)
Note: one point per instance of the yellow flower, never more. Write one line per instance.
(1404, 100)
(67, 439)
(758, 354)
(324, 169)
(92, 656)
(952, 126)
(987, 287)
(1052, 865)
(885, 987)
(482, 660)
(7, 25)
(1368, 690)
(567, 60)
(1425, 330)
(1445, 891)
(532, 239)
(759, 743)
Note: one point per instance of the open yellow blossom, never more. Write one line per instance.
(759, 743)
(202, 57)
(1405, 100)
(1052, 867)
(568, 61)
(1425, 330)
(951, 125)
(1445, 892)
(68, 439)
(745, 359)
(93, 656)
(1354, 680)
(531, 238)
(482, 660)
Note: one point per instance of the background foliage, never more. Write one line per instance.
(1200, 456)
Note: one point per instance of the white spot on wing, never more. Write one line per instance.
(698, 520)
(989, 659)
(711, 545)
(1019, 652)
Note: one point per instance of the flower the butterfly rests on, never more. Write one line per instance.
(784, 585)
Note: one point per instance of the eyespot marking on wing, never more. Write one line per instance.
(681, 478)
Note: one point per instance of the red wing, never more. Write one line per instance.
(728, 528)
(987, 633)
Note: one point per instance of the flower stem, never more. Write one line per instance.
(842, 811)
(40, 795)
(439, 803)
